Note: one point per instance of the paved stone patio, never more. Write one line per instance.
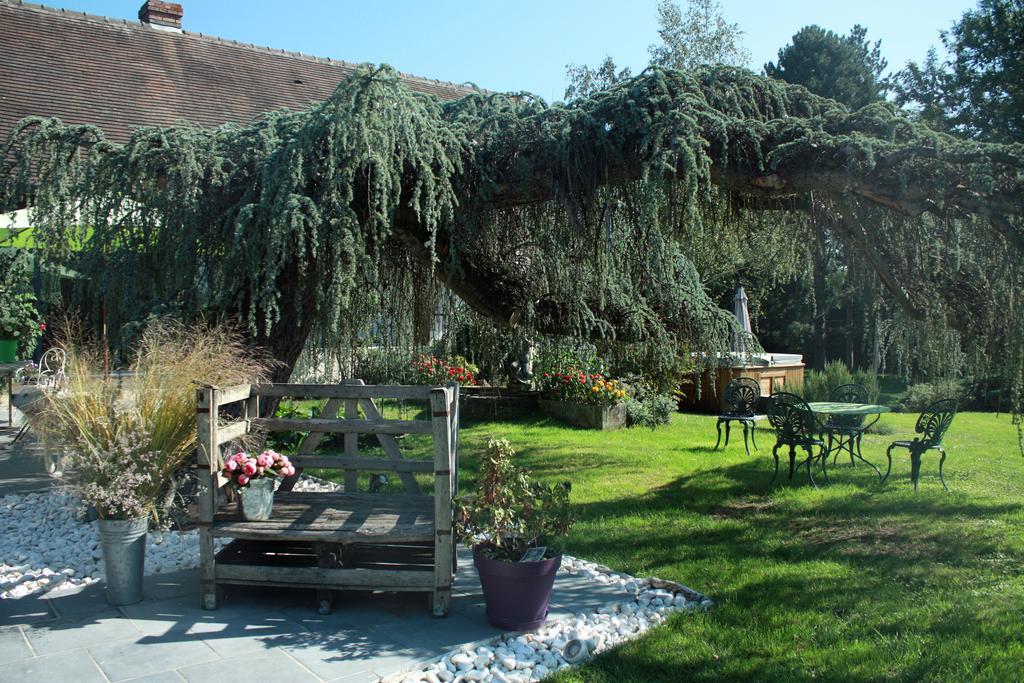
(257, 635)
(264, 635)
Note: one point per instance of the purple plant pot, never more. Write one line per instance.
(516, 593)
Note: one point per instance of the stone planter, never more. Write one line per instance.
(257, 499)
(587, 415)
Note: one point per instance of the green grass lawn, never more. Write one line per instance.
(853, 581)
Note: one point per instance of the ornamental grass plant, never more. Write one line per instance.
(126, 436)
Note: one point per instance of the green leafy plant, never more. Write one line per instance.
(19, 316)
(920, 396)
(647, 406)
(510, 513)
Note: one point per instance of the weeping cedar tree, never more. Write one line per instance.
(570, 219)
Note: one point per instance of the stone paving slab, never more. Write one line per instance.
(263, 634)
(13, 645)
(74, 665)
(268, 666)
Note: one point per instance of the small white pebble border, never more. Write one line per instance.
(562, 643)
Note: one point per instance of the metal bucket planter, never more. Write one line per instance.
(516, 593)
(124, 558)
(257, 499)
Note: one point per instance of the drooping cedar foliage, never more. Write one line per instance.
(594, 219)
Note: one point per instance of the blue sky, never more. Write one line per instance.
(525, 45)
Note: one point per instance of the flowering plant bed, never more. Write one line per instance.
(435, 371)
(584, 399)
(576, 386)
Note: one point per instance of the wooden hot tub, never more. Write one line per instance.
(773, 371)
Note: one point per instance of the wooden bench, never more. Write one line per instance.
(347, 540)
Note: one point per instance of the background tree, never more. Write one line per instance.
(585, 81)
(847, 69)
(978, 91)
(698, 36)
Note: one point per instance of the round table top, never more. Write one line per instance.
(13, 366)
(826, 407)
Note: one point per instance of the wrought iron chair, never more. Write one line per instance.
(48, 377)
(741, 396)
(796, 426)
(932, 426)
(844, 432)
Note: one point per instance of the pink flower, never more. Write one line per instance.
(289, 471)
(231, 465)
(264, 459)
(242, 480)
(249, 468)
(238, 457)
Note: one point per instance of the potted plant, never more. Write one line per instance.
(584, 399)
(253, 479)
(19, 325)
(515, 527)
(116, 480)
(127, 441)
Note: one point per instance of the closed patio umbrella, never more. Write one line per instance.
(743, 333)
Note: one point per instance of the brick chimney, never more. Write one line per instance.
(165, 16)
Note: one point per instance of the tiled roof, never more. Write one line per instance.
(119, 74)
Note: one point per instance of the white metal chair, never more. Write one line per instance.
(36, 382)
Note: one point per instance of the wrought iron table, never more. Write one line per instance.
(9, 370)
(851, 442)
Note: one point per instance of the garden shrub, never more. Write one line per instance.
(647, 406)
(382, 365)
(819, 385)
(653, 411)
(19, 319)
(920, 396)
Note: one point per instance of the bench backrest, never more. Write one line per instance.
(359, 415)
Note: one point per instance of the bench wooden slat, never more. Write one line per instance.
(276, 424)
(380, 579)
(336, 518)
(328, 461)
(397, 391)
